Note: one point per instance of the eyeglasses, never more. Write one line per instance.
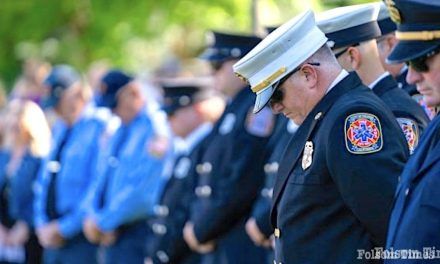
(419, 64)
(339, 54)
(278, 94)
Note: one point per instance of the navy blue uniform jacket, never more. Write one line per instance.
(415, 219)
(342, 201)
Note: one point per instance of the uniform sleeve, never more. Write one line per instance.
(136, 199)
(21, 202)
(41, 185)
(261, 214)
(365, 158)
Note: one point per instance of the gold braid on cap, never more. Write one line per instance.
(418, 35)
(241, 77)
(394, 12)
(268, 80)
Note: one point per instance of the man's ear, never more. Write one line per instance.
(310, 74)
(355, 57)
(391, 41)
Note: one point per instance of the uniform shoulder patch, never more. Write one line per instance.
(260, 124)
(411, 132)
(363, 133)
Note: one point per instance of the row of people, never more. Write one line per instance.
(118, 185)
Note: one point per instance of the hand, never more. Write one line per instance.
(3, 234)
(272, 242)
(91, 231)
(108, 239)
(148, 260)
(255, 234)
(19, 234)
(49, 235)
(193, 243)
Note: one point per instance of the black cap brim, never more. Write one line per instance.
(214, 55)
(409, 50)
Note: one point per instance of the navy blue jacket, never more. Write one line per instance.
(409, 114)
(328, 206)
(19, 188)
(230, 176)
(281, 137)
(411, 89)
(415, 219)
(167, 244)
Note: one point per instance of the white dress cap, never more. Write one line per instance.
(278, 54)
(349, 25)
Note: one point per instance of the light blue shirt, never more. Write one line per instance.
(76, 170)
(129, 182)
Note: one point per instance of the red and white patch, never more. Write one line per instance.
(363, 133)
(411, 132)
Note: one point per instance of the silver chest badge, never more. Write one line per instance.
(307, 155)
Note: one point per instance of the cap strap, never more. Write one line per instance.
(418, 35)
(268, 80)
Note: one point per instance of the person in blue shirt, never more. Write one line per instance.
(415, 218)
(129, 179)
(27, 143)
(68, 170)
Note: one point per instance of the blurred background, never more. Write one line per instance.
(143, 36)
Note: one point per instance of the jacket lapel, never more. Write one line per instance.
(304, 132)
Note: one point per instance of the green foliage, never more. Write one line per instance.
(135, 34)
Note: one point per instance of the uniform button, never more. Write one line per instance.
(199, 168)
(204, 168)
(203, 191)
(265, 192)
(113, 162)
(406, 191)
(399, 178)
(271, 167)
(275, 166)
(267, 168)
(207, 167)
(161, 210)
(162, 256)
(53, 166)
(277, 233)
(159, 229)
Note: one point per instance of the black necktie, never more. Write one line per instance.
(55, 167)
(112, 163)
